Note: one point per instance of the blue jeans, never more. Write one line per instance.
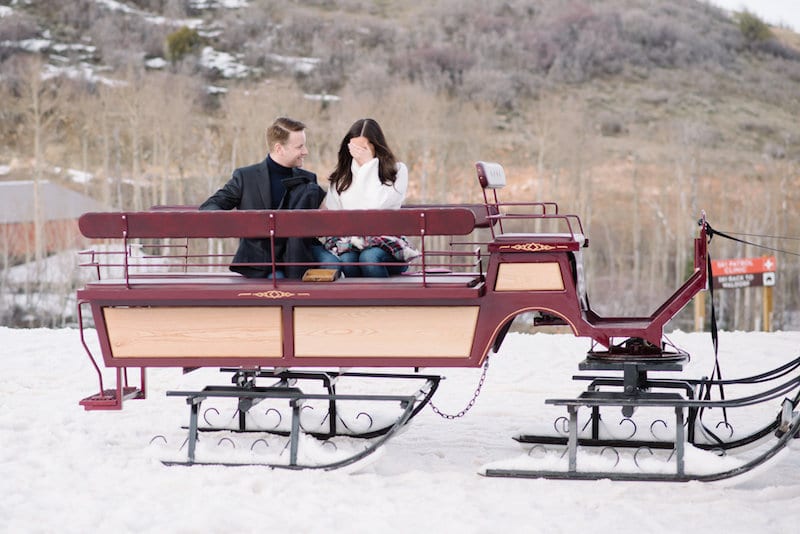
(378, 255)
(329, 260)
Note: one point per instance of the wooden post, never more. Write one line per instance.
(767, 308)
(700, 311)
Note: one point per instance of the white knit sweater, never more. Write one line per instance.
(367, 192)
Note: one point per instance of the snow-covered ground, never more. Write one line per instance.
(63, 469)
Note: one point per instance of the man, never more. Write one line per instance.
(278, 182)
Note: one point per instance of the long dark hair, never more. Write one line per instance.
(342, 177)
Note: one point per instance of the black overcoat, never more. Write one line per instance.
(249, 189)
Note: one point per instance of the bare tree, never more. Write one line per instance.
(41, 101)
(133, 106)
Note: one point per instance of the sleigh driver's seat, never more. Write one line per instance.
(492, 177)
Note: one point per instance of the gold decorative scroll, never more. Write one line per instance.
(273, 294)
(532, 247)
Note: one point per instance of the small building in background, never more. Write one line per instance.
(60, 208)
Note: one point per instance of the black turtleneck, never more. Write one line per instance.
(277, 173)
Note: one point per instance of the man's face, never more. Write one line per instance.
(293, 152)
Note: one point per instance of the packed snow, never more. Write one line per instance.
(66, 470)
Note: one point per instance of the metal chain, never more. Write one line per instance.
(470, 404)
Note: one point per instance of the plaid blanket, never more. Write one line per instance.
(397, 246)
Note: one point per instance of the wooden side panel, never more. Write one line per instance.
(545, 276)
(209, 331)
(385, 331)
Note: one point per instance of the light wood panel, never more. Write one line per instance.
(529, 277)
(208, 331)
(385, 331)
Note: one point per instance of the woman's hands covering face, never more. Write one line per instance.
(361, 150)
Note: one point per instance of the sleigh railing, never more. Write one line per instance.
(132, 228)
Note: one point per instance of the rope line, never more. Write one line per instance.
(711, 232)
(786, 237)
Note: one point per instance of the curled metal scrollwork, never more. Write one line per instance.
(612, 449)
(726, 425)
(564, 425)
(205, 415)
(636, 455)
(629, 420)
(653, 424)
(228, 440)
(368, 416)
(537, 447)
(280, 417)
(256, 442)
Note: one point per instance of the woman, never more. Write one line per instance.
(367, 176)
